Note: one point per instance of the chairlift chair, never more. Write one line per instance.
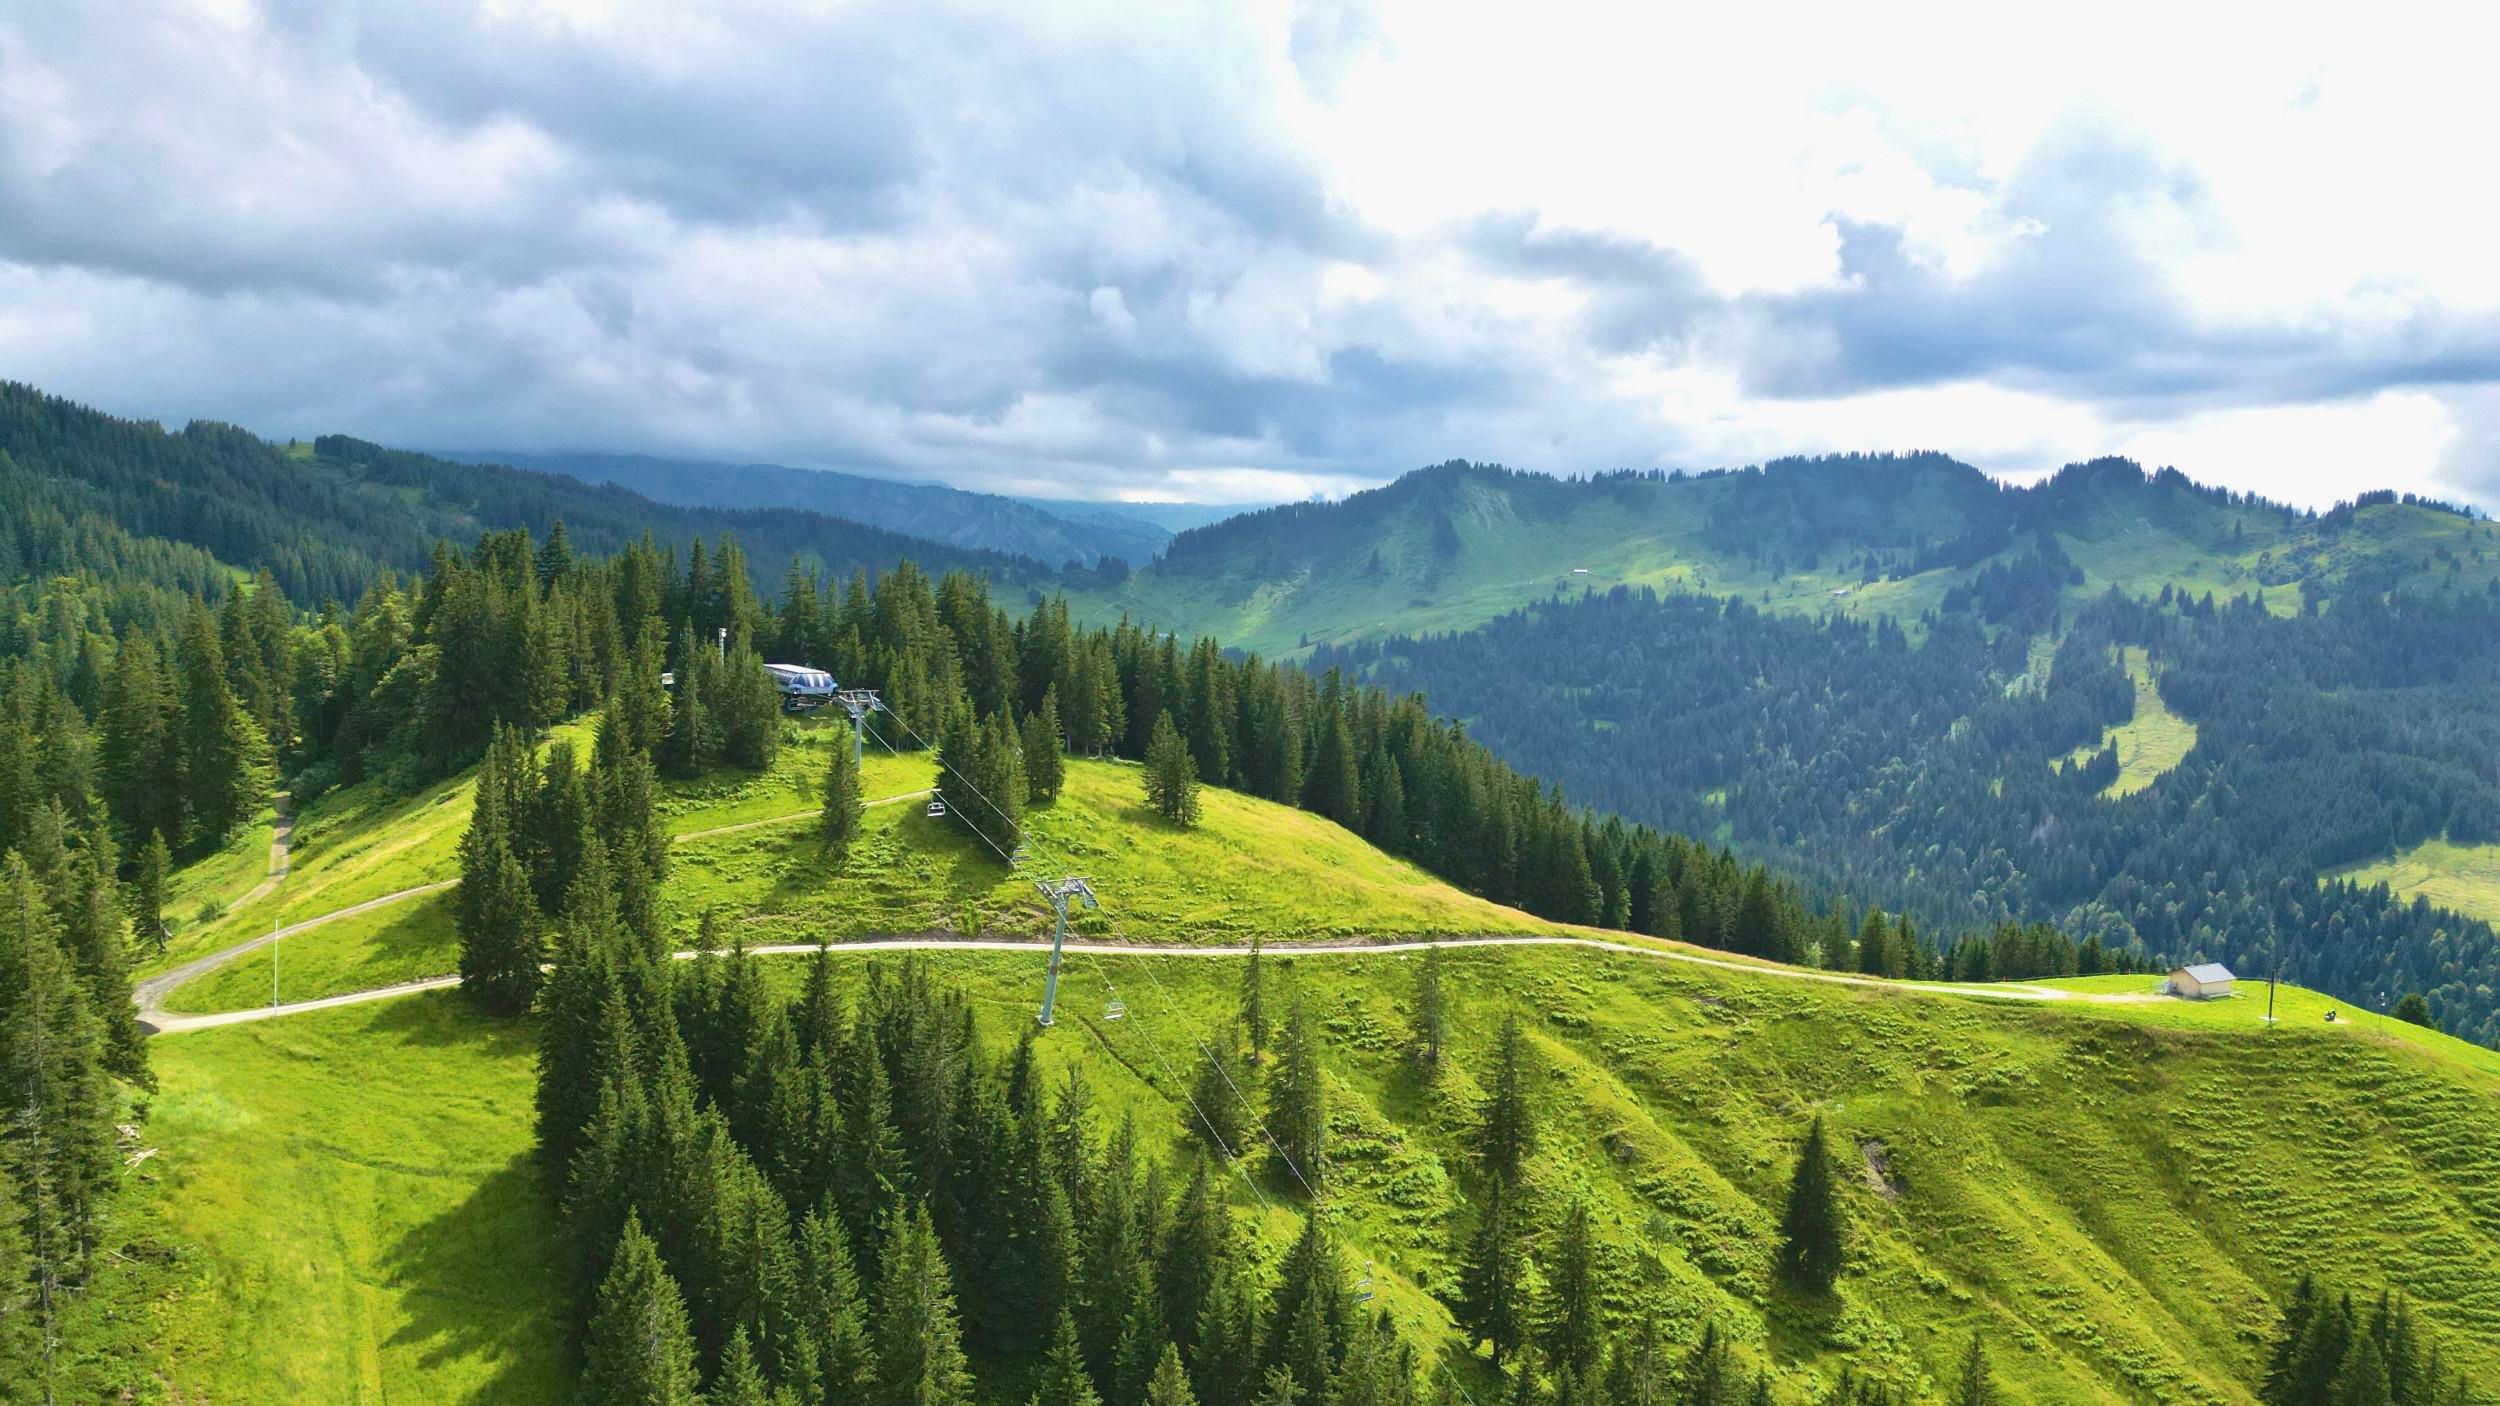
(1363, 1286)
(1115, 1008)
(937, 807)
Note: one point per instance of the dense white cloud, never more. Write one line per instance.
(1270, 249)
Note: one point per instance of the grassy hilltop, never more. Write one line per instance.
(2115, 1193)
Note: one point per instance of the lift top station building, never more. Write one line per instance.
(802, 688)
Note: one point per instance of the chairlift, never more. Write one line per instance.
(1363, 1286)
(1015, 859)
(1115, 1008)
(937, 807)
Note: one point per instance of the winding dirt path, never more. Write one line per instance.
(164, 1024)
(281, 848)
(151, 993)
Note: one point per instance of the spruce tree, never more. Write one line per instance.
(839, 824)
(224, 755)
(1307, 1313)
(1492, 1285)
(1811, 1233)
(919, 1344)
(1045, 766)
(1509, 1125)
(741, 1382)
(1196, 1252)
(501, 948)
(1278, 1388)
(1170, 1384)
(830, 1309)
(1297, 1101)
(639, 1351)
(1430, 1022)
(1254, 1002)
(2362, 1380)
(1974, 1386)
(1331, 789)
(1213, 1111)
(1571, 1333)
(1171, 775)
(147, 892)
(1064, 1381)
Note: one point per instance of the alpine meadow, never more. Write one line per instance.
(1273, 703)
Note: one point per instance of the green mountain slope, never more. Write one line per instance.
(2117, 1194)
(1451, 547)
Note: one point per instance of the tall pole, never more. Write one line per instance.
(1059, 894)
(2274, 940)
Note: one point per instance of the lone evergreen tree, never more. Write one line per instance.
(839, 824)
(1430, 1022)
(2415, 1009)
(1810, 1232)
(1171, 774)
(1975, 1387)
(640, 1351)
(1509, 1128)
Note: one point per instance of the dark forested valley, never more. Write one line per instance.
(1958, 778)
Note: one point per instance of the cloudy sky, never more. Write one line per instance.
(1267, 250)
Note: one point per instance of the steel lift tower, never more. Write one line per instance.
(1059, 894)
(859, 703)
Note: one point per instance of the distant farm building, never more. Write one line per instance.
(2200, 983)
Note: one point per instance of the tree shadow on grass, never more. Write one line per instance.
(447, 1018)
(482, 1294)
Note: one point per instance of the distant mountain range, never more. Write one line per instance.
(1454, 546)
(1052, 531)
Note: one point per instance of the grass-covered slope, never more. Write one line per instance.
(2115, 1195)
(353, 1211)
(1249, 866)
(1454, 546)
(746, 846)
(2151, 741)
(2465, 878)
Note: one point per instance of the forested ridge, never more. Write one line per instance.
(1932, 777)
(89, 492)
